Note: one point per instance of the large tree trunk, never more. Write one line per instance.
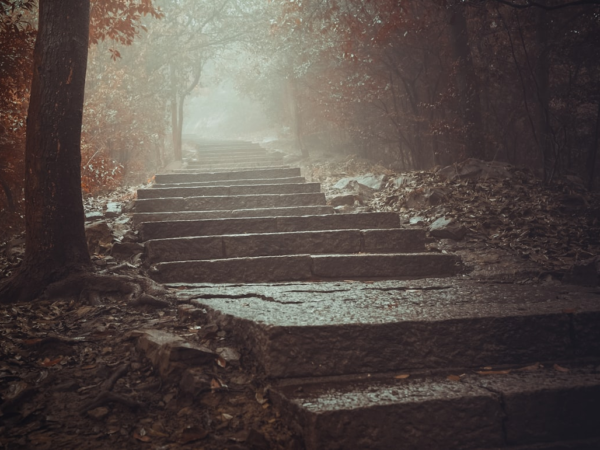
(467, 84)
(55, 234)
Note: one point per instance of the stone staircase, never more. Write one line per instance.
(369, 341)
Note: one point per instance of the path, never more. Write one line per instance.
(370, 342)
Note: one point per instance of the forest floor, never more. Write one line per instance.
(72, 376)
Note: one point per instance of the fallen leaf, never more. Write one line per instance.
(560, 368)
(260, 398)
(142, 438)
(227, 416)
(192, 434)
(221, 362)
(453, 377)
(51, 362)
(493, 372)
(214, 384)
(404, 376)
(530, 368)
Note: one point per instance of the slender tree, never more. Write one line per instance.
(55, 234)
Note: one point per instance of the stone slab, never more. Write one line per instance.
(339, 222)
(235, 175)
(410, 240)
(184, 249)
(230, 168)
(290, 180)
(188, 228)
(235, 159)
(185, 228)
(333, 328)
(377, 266)
(139, 218)
(253, 189)
(227, 202)
(251, 245)
(434, 413)
(234, 270)
(393, 265)
(300, 242)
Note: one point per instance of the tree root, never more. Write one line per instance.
(138, 290)
(107, 396)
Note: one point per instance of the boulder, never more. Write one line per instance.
(445, 228)
(113, 209)
(170, 353)
(194, 382)
(475, 169)
(368, 180)
(340, 200)
(99, 237)
(126, 250)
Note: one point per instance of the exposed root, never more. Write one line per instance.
(107, 396)
(90, 287)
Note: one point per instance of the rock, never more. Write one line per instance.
(208, 331)
(400, 181)
(189, 312)
(93, 215)
(98, 413)
(584, 273)
(340, 200)
(369, 180)
(113, 209)
(194, 382)
(171, 354)
(126, 250)
(130, 236)
(420, 198)
(99, 237)
(417, 220)
(475, 169)
(128, 207)
(229, 354)
(344, 209)
(445, 228)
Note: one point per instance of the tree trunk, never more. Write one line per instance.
(593, 154)
(467, 84)
(55, 234)
(542, 79)
(8, 193)
(177, 154)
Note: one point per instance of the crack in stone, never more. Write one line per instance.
(409, 288)
(241, 297)
(502, 403)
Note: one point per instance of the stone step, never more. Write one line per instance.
(228, 145)
(306, 267)
(326, 329)
(258, 153)
(252, 174)
(277, 244)
(290, 180)
(230, 167)
(185, 228)
(212, 191)
(219, 159)
(216, 203)
(438, 414)
(139, 218)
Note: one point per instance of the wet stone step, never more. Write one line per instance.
(218, 159)
(340, 328)
(187, 228)
(291, 180)
(275, 244)
(306, 267)
(235, 175)
(435, 413)
(230, 167)
(227, 202)
(139, 218)
(255, 189)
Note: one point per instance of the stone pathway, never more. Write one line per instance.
(370, 342)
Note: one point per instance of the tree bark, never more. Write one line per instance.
(55, 234)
